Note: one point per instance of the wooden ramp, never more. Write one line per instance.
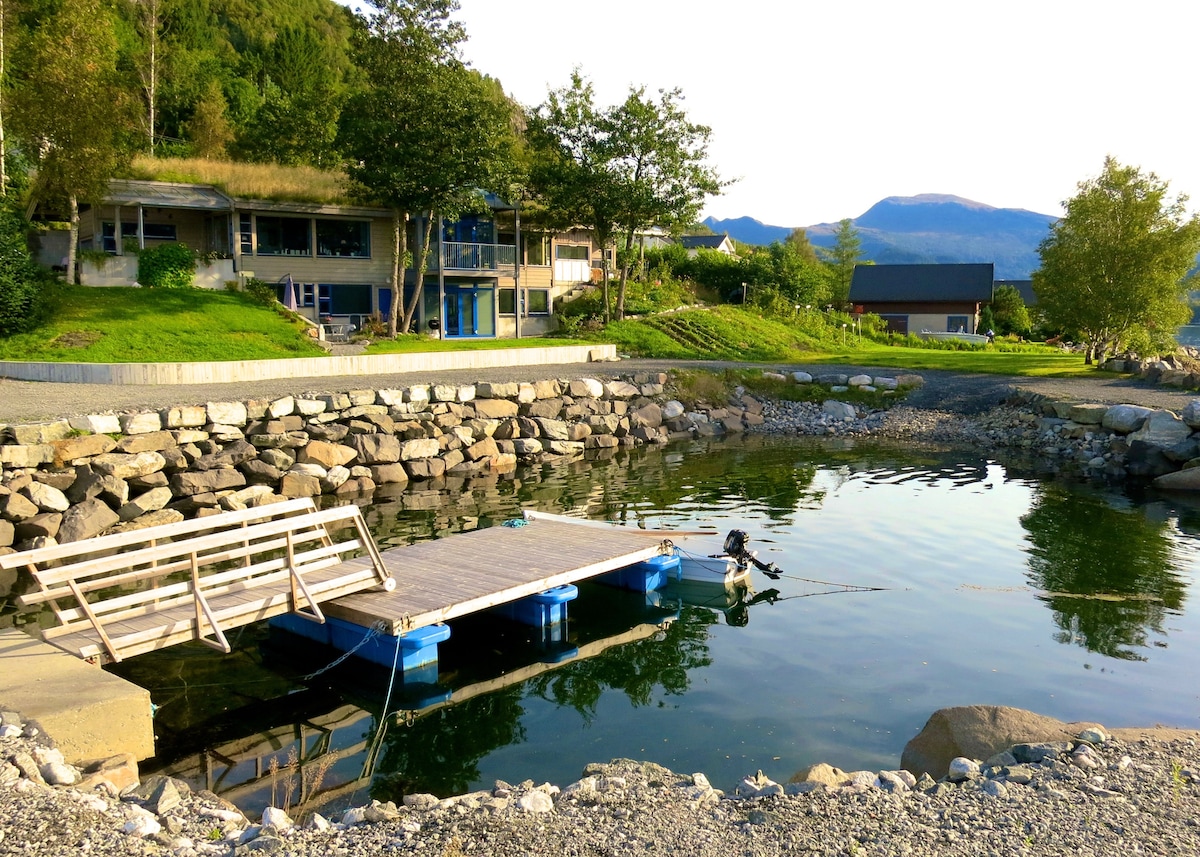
(440, 580)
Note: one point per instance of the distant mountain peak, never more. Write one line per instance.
(926, 228)
(936, 199)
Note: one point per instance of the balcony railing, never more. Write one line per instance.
(461, 256)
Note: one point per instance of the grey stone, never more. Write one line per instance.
(86, 519)
(1124, 419)
(1162, 429)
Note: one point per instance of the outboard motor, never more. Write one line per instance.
(735, 546)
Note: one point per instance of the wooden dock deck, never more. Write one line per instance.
(442, 579)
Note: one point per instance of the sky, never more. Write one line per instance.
(819, 110)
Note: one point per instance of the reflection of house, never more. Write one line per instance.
(340, 256)
(912, 298)
(694, 243)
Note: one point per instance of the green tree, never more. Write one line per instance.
(569, 150)
(841, 258)
(209, 130)
(659, 161)
(1113, 267)
(798, 238)
(22, 296)
(427, 133)
(71, 106)
(1010, 312)
(302, 95)
(620, 169)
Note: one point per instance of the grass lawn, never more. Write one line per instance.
(1049, 362)
(127, 325)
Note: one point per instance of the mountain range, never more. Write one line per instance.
(930, 227)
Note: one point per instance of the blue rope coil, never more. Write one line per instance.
(515, 522)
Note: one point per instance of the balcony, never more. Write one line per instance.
(493, 258)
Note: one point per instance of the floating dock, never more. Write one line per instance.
(440, 580)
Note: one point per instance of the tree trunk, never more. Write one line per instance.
(624, 267)
(73, 243)
(422, 265)
(399, 242)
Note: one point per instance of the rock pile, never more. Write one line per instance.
(1093, 794)
(76, 478)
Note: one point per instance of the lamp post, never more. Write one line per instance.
(743, 294)
(843, 334)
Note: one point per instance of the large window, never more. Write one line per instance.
(508, 301)
(957, 324)
(246, 235)
(154, 232)
(284, 236)
(538, 301)
(345, 299)
(344, 238)
(572, 251)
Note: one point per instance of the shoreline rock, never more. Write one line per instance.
(1087, 793)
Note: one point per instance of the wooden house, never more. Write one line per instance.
(916, 298)
(484, 272)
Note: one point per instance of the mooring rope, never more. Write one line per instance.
(513, 523)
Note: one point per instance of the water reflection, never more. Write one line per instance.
(512, 701)
(1109, 573)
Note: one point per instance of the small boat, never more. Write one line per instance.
(727, 568)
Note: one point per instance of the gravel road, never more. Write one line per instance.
(958, 392)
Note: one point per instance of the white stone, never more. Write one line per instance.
(465, 393)
(46, 497)
(274, 817)
(142, 423)
(884, 383)
(335, 478)
(859, 380)
(96, 423)
(444, 393)
(281, 407)
(191, 416)
(802, 377)
(839, 410)
(621, 390)
(417, 394)
(309, 407)
(59, 774)
(391, 398)
(586, 388)
(1162, 429)
(673, 409)
(526, 393)
(425, 447)
(1124, 419)
(535, 801)
(1093, 735)
(309, 468)
(354, 815)
(227, 413)
(527, 446)
(962, 768)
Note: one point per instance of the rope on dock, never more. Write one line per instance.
(513, 523)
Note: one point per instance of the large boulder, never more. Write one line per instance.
(87, 519)
(1162, 429)
(1124, 419)
(978, 732)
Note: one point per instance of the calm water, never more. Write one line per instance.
(948, 580)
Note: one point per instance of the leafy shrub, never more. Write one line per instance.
(169, 266)
(260, 291)
(24, 288)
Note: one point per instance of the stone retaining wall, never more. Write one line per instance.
(75, 478)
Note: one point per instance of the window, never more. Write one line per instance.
(895, 323)
(154, 232)
(572, 251)
(246, 235)
(957, 324)
(508, 301)
(344, 238)
(284, 236)
(538, 301)
(345, 299)
(537, 249)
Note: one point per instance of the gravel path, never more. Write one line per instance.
(958, 392)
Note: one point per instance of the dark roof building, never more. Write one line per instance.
(915, 298)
